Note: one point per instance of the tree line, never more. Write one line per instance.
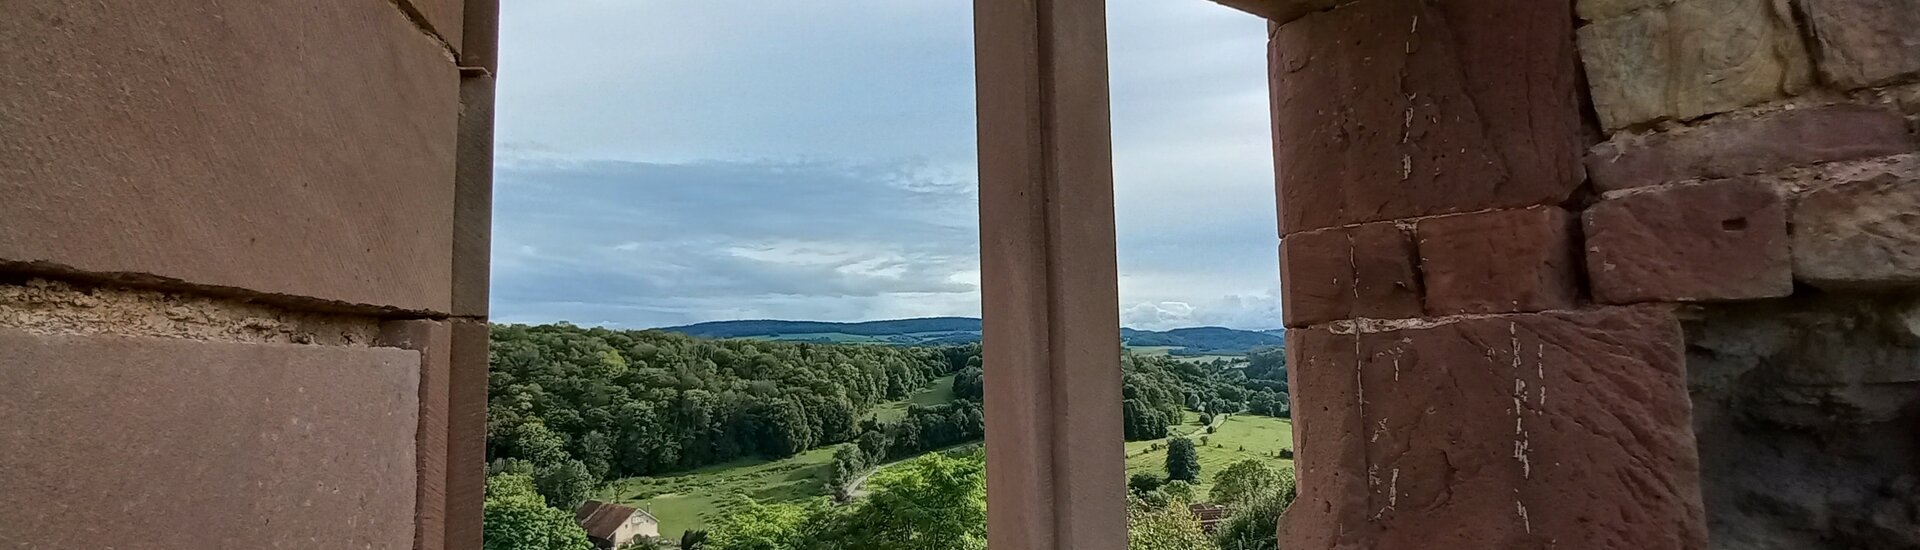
(570, 406)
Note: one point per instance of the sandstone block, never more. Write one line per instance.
(433, 339)
(1386, 274)
(1738, 147)
(1509, 431)
(466, 432)
(473, 199)
(1723, 240)
(185, 143)
(1498, 262)
(1316, 283)
(1329, 444)
(1865, 42)
(1692, 58)
(1361, 271)
(1530, 431)
(1388, 110)
(480, 34)
(160, 443)
(1863, 231)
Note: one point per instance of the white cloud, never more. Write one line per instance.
(663, 162)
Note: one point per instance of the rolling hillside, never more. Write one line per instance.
(962, 330)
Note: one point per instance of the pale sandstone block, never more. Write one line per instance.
(1865, 42)
(1864, 230)
(1694, 58)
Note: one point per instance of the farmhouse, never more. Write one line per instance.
(611, 525)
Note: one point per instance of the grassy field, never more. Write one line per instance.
(939, 391)
(689, 500)
(1240, 437)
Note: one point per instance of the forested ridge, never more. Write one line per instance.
(576, 405)
(937, 331)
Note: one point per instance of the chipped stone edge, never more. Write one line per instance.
(51, 307)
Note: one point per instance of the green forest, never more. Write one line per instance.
(572, 410)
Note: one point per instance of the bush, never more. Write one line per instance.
(515, 517)
(1143, 483)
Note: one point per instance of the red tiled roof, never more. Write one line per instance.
(601, 519)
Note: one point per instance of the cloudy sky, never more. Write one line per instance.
(664, 162)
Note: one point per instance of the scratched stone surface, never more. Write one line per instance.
(1559, 429)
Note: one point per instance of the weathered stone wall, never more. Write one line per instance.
(1760, 164)
(1601, 273)
(243, 256)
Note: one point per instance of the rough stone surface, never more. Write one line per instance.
(1724, 240)
(1863, 231)
(1498, 262)
(1805, 410)
(1692, 58)
(1730, 148)
(160, 443)
(186, 143)
(1508, 431)
(1386, 272)
(1316, 283)
(1388, 109)
(1361, 271)
(466, 432)
(1863, 43)
(433, 339)
(1329, 451)
(41, 306)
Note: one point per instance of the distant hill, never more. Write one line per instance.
(962, 330)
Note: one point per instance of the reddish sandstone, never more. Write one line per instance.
(1387, 110)
(1361, 271)
(170, 443)
(1316, 282)
(1513, 431)
(1498, 262)
(1747, 146)
(1725, 240)
(1329, 452)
